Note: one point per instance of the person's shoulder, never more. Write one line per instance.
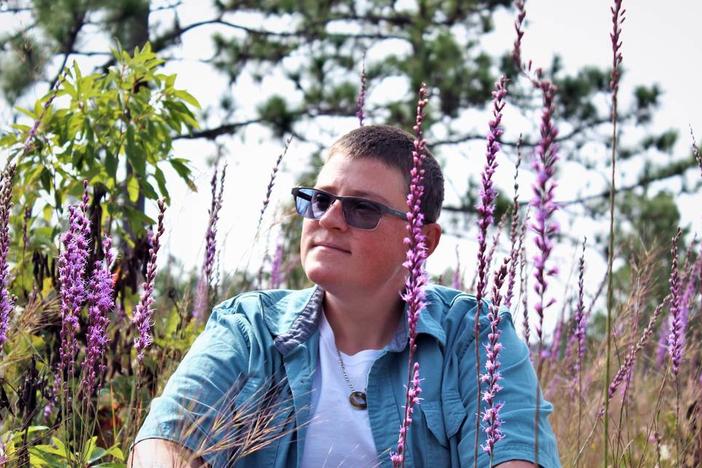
(455, 311)
(272, 308)
(447, 299)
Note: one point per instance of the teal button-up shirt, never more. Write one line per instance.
(242, 393)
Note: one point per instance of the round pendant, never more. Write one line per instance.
(358, 400)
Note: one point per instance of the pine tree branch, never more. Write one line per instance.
(675, 169)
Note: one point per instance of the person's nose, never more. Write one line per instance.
(333, 218)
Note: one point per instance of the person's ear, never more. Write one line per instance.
(433, 233)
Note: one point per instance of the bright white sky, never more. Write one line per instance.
(661, 44)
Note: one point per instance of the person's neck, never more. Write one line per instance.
(362, 323)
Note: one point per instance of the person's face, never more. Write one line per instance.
(341, 258)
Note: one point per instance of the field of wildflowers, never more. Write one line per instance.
(86, 341)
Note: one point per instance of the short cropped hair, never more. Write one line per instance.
(393, 147)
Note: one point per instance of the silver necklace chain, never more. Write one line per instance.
(357, 399)
(343, 369)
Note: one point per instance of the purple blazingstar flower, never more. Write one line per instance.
(361, 99)
(491, 376)
(676, 337)
(543, 202)
(143, 312)
(72, 265)
(203, 285)
(101, 302)
(628, 364)
(514, 231)
(486, 209)
(7, 303)
(580, 332)
(417, 278)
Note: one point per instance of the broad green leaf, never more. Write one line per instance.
(111, 164)
(180, 166)
(115, 452)
(149, 191)
(187, 97)
(46, 181)
(133, 189)
(135, 154)
(161, 181)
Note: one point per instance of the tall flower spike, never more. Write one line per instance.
(276, 266)
(580, 325)
(544, 226)
(486, 209)
(519, 29)
(271, 182)
(523, 283)
(361, 99)
(495, 241)
(7, 304)
(692, 280)
(514, 231)
(491, 376)
(457, 281)
(100, 303)
(630, 359)
(617, 20)
(676, 337)
(72, 265)
(417, 278)
(203, 284)
(696, 150)
(143, 312)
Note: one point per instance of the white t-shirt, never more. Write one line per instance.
(339, 434)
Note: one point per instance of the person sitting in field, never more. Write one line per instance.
(317, 377)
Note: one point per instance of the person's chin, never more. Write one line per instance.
(328, 277)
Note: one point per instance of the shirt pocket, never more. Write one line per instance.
(432, 441)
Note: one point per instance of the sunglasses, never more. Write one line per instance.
(360, 213)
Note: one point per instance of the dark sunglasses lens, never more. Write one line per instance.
(320, 204)
(361, 214)
(302, 202)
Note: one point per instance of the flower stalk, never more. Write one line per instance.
(617, 19)
(491, 377)
(143, 311)
(417, 278)
(203, 285)
(72, 267)
(100, 303)
(361, 98)
(544, 227)
(7, 303)
(514, 231)
(486, 209)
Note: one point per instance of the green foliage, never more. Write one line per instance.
(56, 454)
(112, 129)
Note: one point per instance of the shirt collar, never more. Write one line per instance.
(292, 323)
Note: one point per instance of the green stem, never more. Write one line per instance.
(655, 417)
(476, 336)
(610, 287)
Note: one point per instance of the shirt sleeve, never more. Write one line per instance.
(518, 394)
(201, 404)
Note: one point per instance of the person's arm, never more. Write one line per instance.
(202, 404)
(516, 464)
(161, 453)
